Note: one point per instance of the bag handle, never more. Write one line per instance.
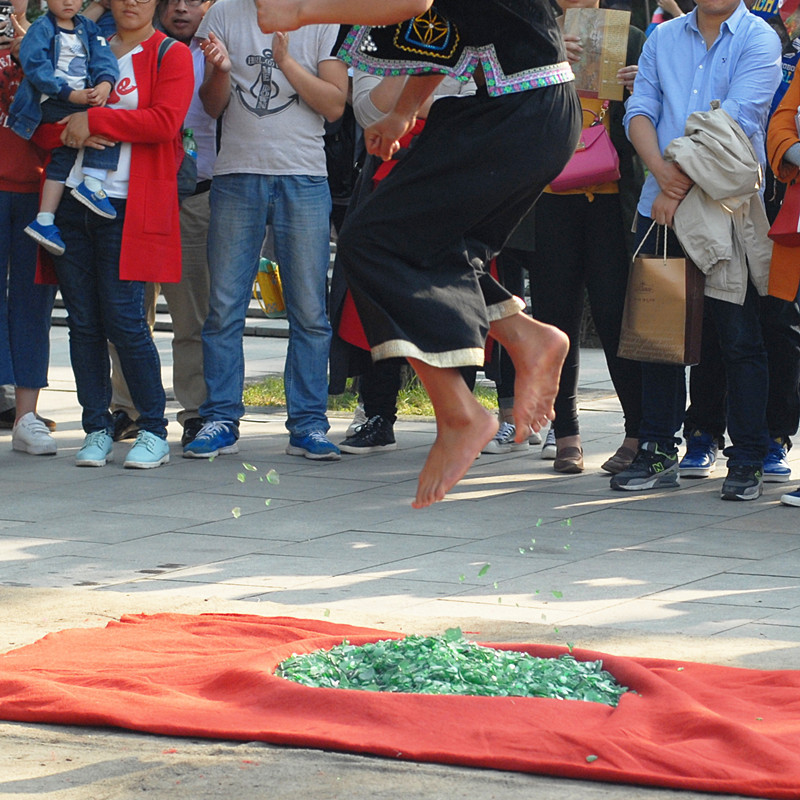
(598, 117)
(644, 239)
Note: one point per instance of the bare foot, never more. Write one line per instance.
(457, 445)
(538, 352)
(463, 428)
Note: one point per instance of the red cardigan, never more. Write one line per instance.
(151, 241)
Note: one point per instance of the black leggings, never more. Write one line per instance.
(580, 248)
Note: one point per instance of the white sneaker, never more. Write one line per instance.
(549, 450)
(359, 419)
(534, 438)
(503, 441)
(31, 435)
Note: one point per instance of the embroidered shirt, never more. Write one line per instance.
(517, 42)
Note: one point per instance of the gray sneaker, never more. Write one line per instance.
(503, 441)
(743, 482)
(653, 468)
(549, 449)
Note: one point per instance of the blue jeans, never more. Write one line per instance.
(745, 361)
(25, 306)
(62, 159)
(298, 209)
(103, 308)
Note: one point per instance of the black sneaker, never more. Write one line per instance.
(376, 434)
(8, 418)
(652, 468)
(190, 430)
(743, 482)
(123, 427)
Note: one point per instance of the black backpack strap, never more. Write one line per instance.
(162, 49)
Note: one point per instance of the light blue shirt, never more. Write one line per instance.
(678, 76)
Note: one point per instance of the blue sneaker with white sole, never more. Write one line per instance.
(148, 451)
(701, 456)
(213, 439)
(776, 467)
(95, 201)
(97, 450)
(314, 445)
(48, 236)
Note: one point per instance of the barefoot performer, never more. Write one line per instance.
(416, 254)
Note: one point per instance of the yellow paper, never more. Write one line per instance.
(603, 36)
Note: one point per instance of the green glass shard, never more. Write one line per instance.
(449, 664)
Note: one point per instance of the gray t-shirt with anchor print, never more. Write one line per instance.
(267, 129)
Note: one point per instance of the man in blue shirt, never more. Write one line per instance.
(718, 52)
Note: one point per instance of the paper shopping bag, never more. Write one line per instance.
(662, 321)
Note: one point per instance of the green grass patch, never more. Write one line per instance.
(413, 400)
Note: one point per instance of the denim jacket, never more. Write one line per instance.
(38, 55)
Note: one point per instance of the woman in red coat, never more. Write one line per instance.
(103, 271)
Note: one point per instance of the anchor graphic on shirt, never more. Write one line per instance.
(263, 88)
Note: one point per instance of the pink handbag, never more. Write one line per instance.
(595, 159)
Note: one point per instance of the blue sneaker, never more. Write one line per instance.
(97, 450)
(214, 438)
(95, 201)
(791, 498)
(148, 451)
(701, 456)
(48, 236)
(315, 445)
(776, 468)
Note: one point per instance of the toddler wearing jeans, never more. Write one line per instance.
(68, 66)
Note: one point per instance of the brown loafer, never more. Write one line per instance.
(569, 460)
(620, 461)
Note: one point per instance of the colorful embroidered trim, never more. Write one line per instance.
(359, 50)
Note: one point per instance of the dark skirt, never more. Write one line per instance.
(416, 253)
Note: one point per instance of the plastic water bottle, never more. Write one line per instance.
(189, 144)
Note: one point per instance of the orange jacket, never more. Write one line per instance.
(784, 271)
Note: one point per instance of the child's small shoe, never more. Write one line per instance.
(95, 201)
(48, 236)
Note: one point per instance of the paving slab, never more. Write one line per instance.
(677, 574)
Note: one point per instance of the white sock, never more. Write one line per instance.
(92, 184)
(45, 218)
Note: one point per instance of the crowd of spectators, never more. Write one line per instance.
(118, 86)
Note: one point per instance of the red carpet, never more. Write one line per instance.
(692, 726)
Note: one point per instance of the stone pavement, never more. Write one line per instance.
(663, 574)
